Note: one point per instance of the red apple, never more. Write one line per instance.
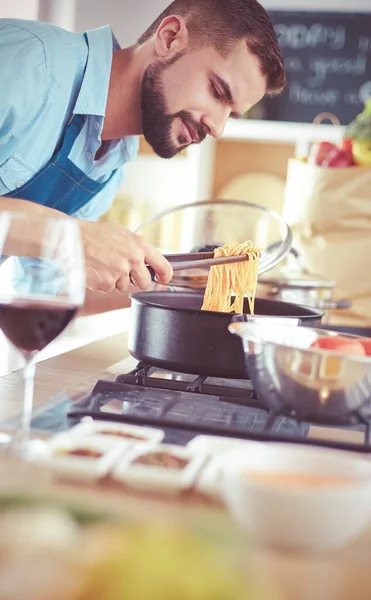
(319, 152)
(366, 343)
(340, 344)
(346, 144)
(338, 158)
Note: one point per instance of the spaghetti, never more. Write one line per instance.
(238, 279)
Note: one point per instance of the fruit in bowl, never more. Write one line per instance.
(343, 344)
(296, 371)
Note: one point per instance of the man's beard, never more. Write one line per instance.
(156, 122)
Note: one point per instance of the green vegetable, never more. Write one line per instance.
(360, 128)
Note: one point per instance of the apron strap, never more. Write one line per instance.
(72, 131)
(73, 128)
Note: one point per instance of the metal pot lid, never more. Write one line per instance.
(218, 222)
(195, 279)
(298, 280)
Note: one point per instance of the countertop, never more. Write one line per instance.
(341, 576)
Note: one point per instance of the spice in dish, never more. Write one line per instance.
(161, 459)
(122, 434)
(80, 452)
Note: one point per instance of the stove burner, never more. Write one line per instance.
(186, 405)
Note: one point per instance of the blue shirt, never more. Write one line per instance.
(41, 66)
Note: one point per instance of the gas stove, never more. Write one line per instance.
(186, 405)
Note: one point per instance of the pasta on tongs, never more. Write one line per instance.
(238, 279)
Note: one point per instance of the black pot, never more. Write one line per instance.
(170, 331)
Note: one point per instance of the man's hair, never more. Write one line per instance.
(224, 23)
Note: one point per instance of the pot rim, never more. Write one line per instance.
(151, 299)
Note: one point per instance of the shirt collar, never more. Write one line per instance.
(92, 98)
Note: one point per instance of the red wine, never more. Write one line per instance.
(32, 324)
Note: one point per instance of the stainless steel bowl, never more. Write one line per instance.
(306, 383)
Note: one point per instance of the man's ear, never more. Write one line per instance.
(171, 37)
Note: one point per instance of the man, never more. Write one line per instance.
(72, 106)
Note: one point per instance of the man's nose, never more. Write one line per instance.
(216, 124)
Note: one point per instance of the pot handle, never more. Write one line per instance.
(250, 326)
(336, 305)
(245, 331)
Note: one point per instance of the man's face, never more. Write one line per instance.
(194, 94)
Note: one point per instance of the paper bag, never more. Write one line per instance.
(329, 211)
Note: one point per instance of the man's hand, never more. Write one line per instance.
(115, 257)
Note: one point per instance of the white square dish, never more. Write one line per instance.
(119, 432)
(173, 468)
(84, 460)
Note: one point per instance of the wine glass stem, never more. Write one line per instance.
(29, 379)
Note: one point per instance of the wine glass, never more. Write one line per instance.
(42, 285)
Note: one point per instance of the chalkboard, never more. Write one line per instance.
(328, 65)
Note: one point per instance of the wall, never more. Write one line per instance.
(19, 9)
(322, 5)
(128, 19)
(61, 13)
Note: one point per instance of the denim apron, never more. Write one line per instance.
(60, 184)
